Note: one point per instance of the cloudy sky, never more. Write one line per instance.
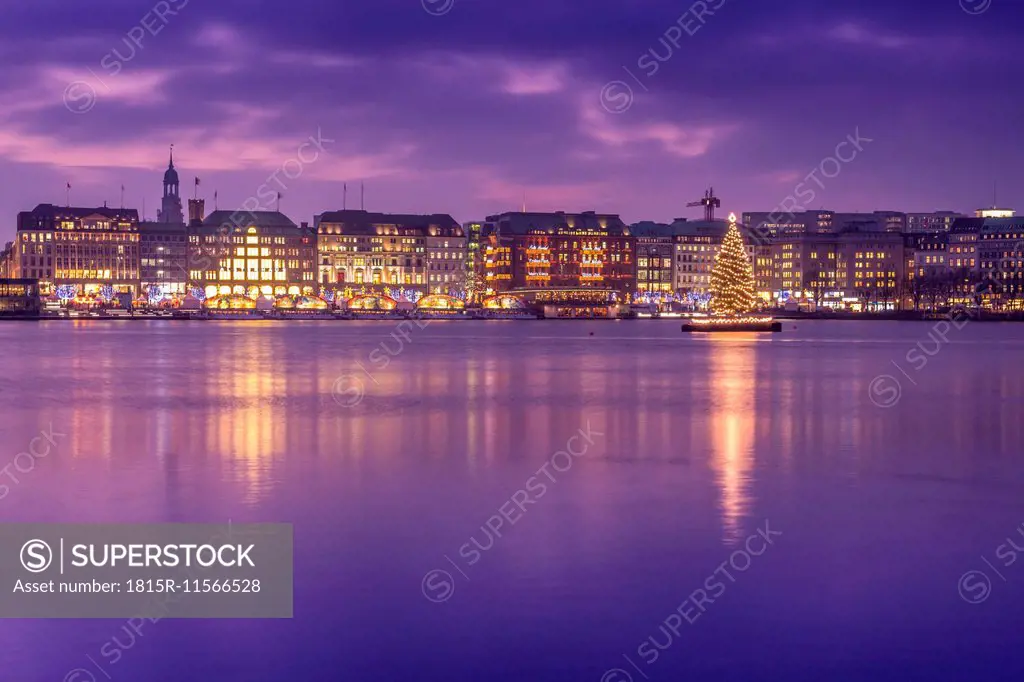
(462, 106)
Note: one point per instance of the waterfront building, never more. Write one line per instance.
(377, 251)
(163, 258)
(1000, 247)
(870, 268)
(19, 297)
(962, 259)
(545, 250)
(926, 278)
(696, 243)
(475, 272)
(252, 253)
(85, 249)
(654, 258)
(805, 270)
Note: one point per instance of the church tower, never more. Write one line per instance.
(170, 211)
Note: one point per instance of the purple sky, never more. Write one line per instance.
(459, 108)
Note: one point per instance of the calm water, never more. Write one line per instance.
(695, 444)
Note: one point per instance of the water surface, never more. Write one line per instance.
(889, 479)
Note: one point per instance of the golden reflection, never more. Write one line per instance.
(732, 429)
(248, 433)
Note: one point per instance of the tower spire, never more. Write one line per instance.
(170, 163)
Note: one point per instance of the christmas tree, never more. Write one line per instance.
(732, 278)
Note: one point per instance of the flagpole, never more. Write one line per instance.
(122, 197)
(67, 196)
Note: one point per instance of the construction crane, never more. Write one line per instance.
(710, 202)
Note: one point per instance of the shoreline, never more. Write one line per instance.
(783, 317)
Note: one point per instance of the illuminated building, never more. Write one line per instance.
(806, 268)
(163, 257)
(1000, 273)
(8, 261)
(84, 248)
(19, 297)
(870, 267)
(358, 249)
(257, 253)
(654, 258)
(475, 272)
(544, 250)
(926, 269)
(995, 213)
(696, 244)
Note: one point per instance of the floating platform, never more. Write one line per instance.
(732, 324)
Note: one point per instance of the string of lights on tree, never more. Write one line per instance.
(732, 277)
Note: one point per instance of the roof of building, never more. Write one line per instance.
(517, 223)
(365, 222)
(962, 225)
(983, 226)
(50, 210)
(242, 218)
(152, 226)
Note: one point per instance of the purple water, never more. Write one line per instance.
(391, 473)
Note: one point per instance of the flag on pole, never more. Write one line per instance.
(197, 182)
(69, 185)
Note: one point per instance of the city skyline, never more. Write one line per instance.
(476, 114)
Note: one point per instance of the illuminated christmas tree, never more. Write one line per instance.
(732, 278)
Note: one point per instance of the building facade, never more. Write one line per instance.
(545, 250)
(696, 244)
(85, 249)
(360, 250)
(654, 258)
(251, 253)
